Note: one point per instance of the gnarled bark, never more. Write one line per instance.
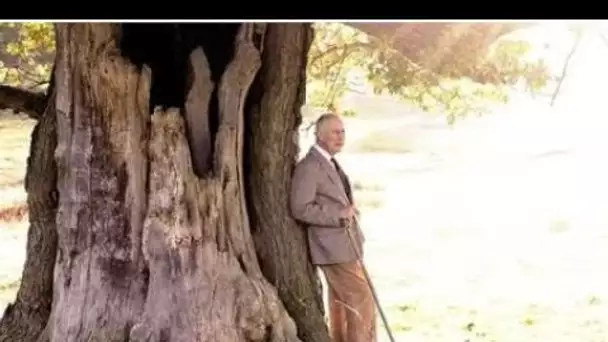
(100, 275)
(149, 251)
(281, 244)
(197, 239)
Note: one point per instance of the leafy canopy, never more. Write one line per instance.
(343, 59)
(27, 58)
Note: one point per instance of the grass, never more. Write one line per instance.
(14, 142)
(486, 249)
(8, 290)
(15, 133)
(382, 142)
(368, 194)
(458, 255)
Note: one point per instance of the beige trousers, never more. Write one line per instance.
(352, 315)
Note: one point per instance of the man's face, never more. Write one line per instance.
(332, 135)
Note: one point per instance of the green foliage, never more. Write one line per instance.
(28, 54)
(343, 59)
(336, 51)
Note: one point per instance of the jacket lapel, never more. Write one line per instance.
(332, 173)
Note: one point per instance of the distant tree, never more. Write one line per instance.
(28, 54)
(26, 61)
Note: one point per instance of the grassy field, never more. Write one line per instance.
(464, 243)
(14, 147)
(498, 254)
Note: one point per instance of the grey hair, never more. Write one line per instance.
(324, 118)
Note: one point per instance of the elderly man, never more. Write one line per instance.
(321, 198)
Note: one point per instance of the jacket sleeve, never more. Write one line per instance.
(302, 199)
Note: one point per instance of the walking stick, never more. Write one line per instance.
(369, 281)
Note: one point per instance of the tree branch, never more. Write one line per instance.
(577, 40)
(425, 44)
(604, 39)
(335, 48)
(412, 38)
(22, 101)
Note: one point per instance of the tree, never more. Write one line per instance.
(25, 64)
(28, 54)
(139, 218)
(436, 66)
(157, 185)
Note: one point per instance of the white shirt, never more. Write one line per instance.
(325, 154)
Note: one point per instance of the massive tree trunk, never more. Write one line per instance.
(276, 100)
(156, 210)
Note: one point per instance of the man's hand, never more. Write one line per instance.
(348, 212)
(347, 215)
